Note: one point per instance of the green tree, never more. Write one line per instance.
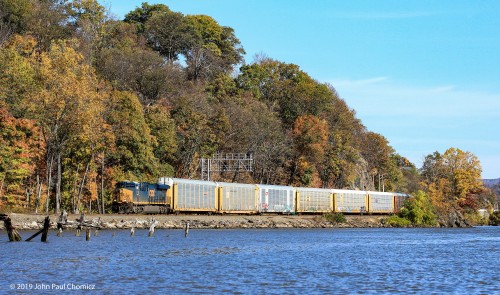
(88, 19)
(214, 48)
(163, 129)
(17, 74)
(141, 15)
(286, 89)
(14, 16)
(48, 22)
(169, 34)
(134, 152)
(419, 210)
(130, 66)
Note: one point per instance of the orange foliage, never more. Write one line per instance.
(21, 150)
(310, 135)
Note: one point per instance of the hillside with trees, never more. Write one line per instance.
(87, 100)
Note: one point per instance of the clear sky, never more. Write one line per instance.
(425, 74)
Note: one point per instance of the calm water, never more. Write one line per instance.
(334, 261)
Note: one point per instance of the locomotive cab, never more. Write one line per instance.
(141, 197)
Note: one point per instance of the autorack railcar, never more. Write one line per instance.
(313, 200)
(276, 199)
(348, 201)
(177, 195)
(238, 198)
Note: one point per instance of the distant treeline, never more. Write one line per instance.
(87, 100)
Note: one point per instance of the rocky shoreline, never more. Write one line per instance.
(119, 221)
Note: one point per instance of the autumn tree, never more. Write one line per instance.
(48, 22)
(17, 74)
(253, 128)
(453, 180)
(377, 152)
(66, 101)
(310, 135)
(21, 151)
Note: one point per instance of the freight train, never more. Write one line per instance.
(175, 195)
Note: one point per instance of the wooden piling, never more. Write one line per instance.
(14, 236)
(45, 232)
(152, 228)
(186, 230)
(63, 220)
(87, 234)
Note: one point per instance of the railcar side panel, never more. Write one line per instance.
(380, 202)
(195, 195)
(314, 200)
(237, 198)
(276, 199)
(350, 201)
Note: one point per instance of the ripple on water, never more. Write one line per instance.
(370, 261)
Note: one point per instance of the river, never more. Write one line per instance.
(256, 261)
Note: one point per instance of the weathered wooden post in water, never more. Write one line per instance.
(87, 234)
(63, 220)
(11, 230)
(44, 231)
(186, 230)
(152, 228)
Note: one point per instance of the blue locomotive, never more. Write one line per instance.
(141, 197)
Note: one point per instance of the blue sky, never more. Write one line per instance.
(424, 74)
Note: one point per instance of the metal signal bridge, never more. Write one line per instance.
(226, 162)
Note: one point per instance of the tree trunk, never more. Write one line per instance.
(82, 184)
(102, 183)
(75, 191)
(49, 182)
(1, 187)
(28, 201)
(58, 184)
(38, 192)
